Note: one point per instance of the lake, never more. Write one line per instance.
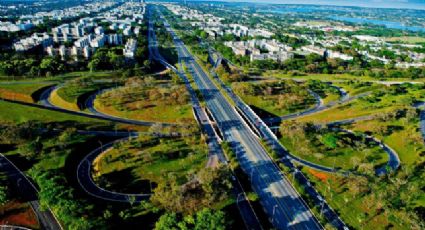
(388, 24)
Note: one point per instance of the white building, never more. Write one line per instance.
(115, 39)
(130, 48)
(98, 30)
(36, 39)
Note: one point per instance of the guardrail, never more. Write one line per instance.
(272, 140)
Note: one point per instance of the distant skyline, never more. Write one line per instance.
(404, 4)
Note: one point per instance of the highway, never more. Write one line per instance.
(283, 204)
(216, 154)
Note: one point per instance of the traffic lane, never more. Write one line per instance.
(204, 83)
(251, 146)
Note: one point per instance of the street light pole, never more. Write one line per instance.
(274, 210)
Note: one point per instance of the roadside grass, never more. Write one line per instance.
(354, 88)
(67, 96)
(151, 112)
(330, 97)
(70, 93)
(20, 92)
(60, 77)
(59, 101)
(149, 159)
(342, 112)
(20, 113)
(357, 108)
(27, 88)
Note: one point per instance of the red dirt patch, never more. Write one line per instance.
(319, 175)
(19, 214)
(6, 94)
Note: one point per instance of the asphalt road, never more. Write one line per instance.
(29, 193)
(319, 106)
(216, 154)
(46, 103)
(280, 200)
(85, 179)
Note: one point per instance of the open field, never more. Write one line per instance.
(406, 39)
(153, 102)
(336, 77)
(274, 98)
(20, 113)
(61, 77)
(146, 159)
(358, 87)
(21, 92)
(384, 99)
(329, 148)
(401, 135)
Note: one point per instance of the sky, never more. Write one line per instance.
(411, 4)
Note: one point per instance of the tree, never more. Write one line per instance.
(209, 186)
(66, 136)
(3, 195)
(209, 219)
(168, 221)
(204, 219)
(93, 65)
(32, 149)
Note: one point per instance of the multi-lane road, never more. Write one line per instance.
(284, 206)
(216, 154)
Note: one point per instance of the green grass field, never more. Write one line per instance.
(148, 103)
(20, 113)
(61, 77)
(332, 149)
(356, 88)
(149, 159)
(401, 135)
(383, 99)
(275, 98)
(406, 39)
(336, 77)
(27, 89)
(21, 92)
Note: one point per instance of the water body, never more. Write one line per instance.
(288, 10)
(388, 24)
